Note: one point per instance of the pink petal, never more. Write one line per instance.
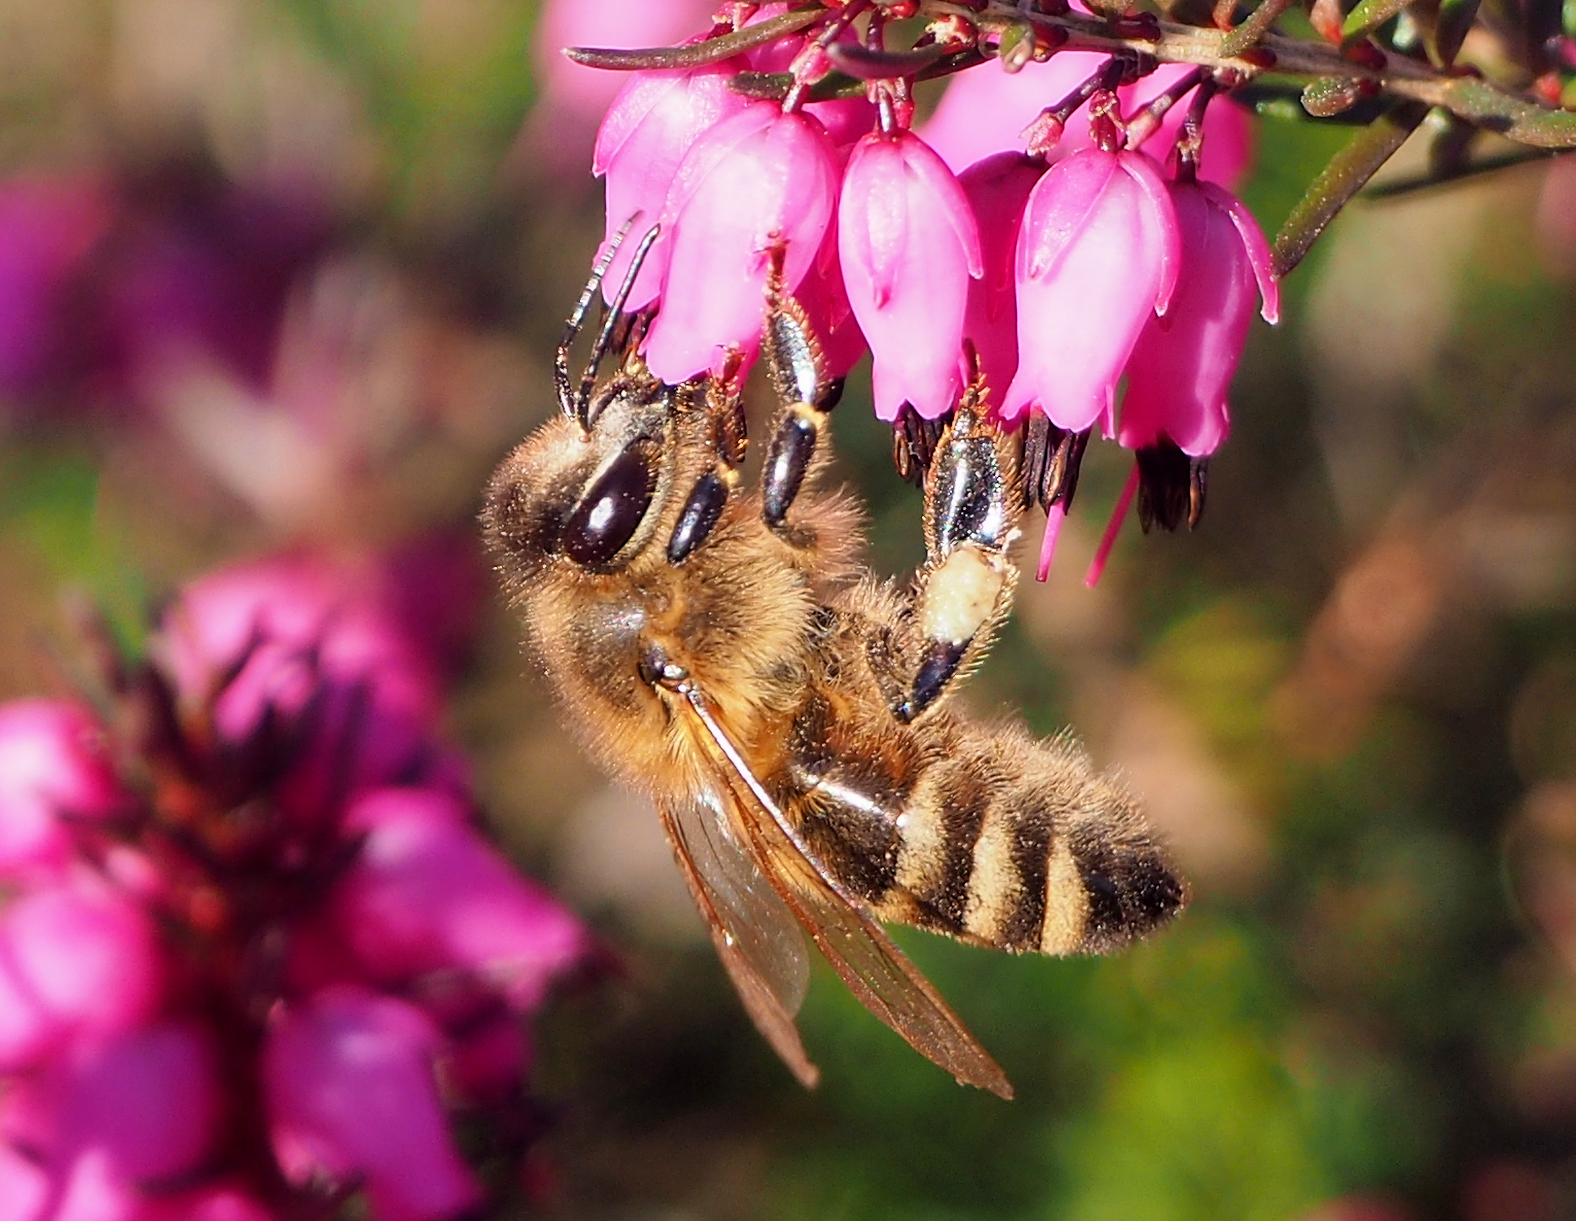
(1260, 257)
(1089, 265)
(909, 246)
(756, 178)
(74, 965)
(350, 1093)
(426, 893)
(54, 765)
(1146, 174)
(997, 189)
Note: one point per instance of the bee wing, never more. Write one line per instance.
(756, 935)
(875, 970)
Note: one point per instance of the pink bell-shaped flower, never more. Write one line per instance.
(75, 964)
(652, 123)
(758, 179)
(53, 769)
(909, 247)
(351, 1094)
(1183, 363)
(997, 189)
(427, 893)
(1098, 252)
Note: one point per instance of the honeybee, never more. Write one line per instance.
(721, 649)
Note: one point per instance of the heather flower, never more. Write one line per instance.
(908, 246)
(218, 990)
(77, 965)
(351, 1093)
(1098, 252)
(823, 295)
(655, 119)
(1183, 362)
(48, 227)
(997, 189)
(755, 181)
(427, 892)
(574, 97)
(54, 767)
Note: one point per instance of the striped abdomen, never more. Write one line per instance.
(983, 833)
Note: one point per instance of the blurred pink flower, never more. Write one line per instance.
(909, 246)
(425, 892)
(1098, 252)
(755, 180)
(351, 1093)
(573, 98)
(1183, 363)
(984, 111)
(76, 965)
(143, 970)
(652, 123)
(997, 188)
(48, 227)
(54, 768)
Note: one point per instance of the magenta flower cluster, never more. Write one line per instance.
(1046, 272)
(258, 956)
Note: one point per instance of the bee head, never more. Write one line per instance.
(585, 499)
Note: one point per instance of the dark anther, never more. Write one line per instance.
(1165, 485)
(940, 664)
(914, 441)
(1057, 460)
(1198, 484)
(699, 515)
(1036, 452)
(786, 464)
(612, 507)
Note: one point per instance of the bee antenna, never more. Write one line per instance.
(577, 317)
(604, 339)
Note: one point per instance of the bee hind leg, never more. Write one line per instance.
(797, 370)
(963, 592)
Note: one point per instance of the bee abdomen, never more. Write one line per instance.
(1046, 856)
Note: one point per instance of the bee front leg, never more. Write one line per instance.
(722, 404)
(797, 370)
(963, 592)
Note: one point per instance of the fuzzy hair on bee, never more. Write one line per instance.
(721, 649)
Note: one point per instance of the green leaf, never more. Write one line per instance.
(1345, 175)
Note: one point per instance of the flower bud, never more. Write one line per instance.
(427, 893)
(351, 1094)
(755, 180)
(53, 768)
(652, 123)
(909, 247)
(1097, 254)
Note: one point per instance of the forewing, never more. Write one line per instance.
(756, 935)
(875, 970)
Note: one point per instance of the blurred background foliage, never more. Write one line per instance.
(309, 261)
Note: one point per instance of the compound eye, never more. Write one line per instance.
(612, 508)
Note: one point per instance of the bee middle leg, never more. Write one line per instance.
(797, 370)
(964, 590)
